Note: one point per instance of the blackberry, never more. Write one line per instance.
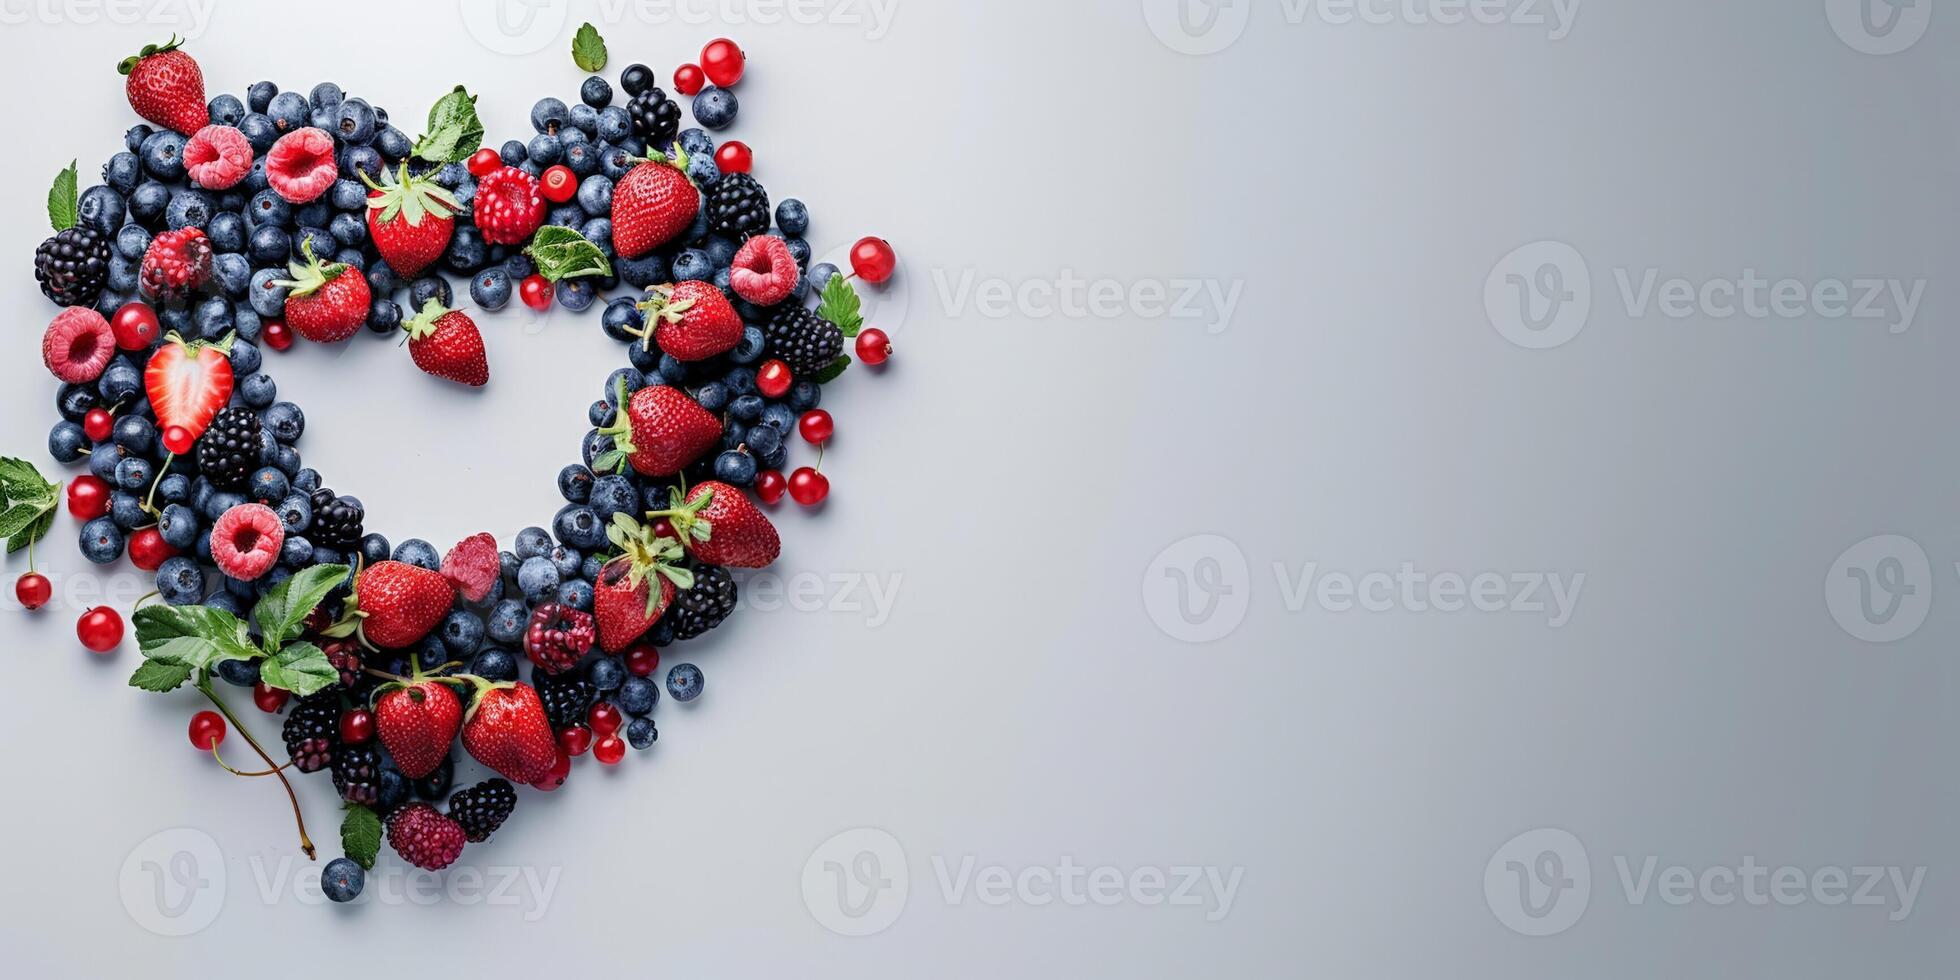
(738, 207)
(565, 697)
(228, 452)
(804, 340)
(656, 118)
(345, 656)
(72, 266)
(703, 607)
(357, 774)
(312, 730)
(336, 521)
(482, 808)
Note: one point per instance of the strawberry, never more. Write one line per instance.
(446, 343)
(416, 722)
(722, 526)
(653, 203)
(506, 730)
(637, 587)
(188, 383)
(660, 432)
(400, 603)
(509, 206)
(166, 87)
(473, 566)
(691, 320)
(410, 218)
(328, 302)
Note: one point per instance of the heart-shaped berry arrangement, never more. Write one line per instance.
(238, 224)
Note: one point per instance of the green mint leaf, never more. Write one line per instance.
(588, 48)
(839, 304)
(301, 668)
(19, 518)
(159, 624)
(281, 615)
(161, 675)
(34, 533)
(21, 482)
(454, 130)
(561, 253)
(61, 199)
(830, 372)
(360, 835)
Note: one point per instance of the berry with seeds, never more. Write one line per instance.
(416, 722)
(176, 264)
(312, 731)
(663, 431)
(702, 607)
(337, 521)
(229, 450)
(411, 219)
(472, 567)
(446, 343)
(565, 698)
(300, 166)
(218, 157)
(506, 730)
(72, 266)
(634, 589)
(357, 773)
(402, 603)
(509, 206)
(165, 86)
(763, 271)
(245, 541)
(653, 204)
(738, 207)
(558, 637)
(327, 302)
(482, 808)
(656, 118)
(425, 838)
(804, 340)
(78, 345)
(691, 320)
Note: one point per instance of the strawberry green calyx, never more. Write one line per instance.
(222, 345)
(648, 556)
(659, 305)
(684, 514)
(310, 276)
(676, 159)
(482, 686)
(424, 323)
(410, 196)
(128, 64)
(621, 432)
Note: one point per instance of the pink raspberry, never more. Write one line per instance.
(245, 541)
(764, 272)
(473, 567)
(218, 157)
(300, 166)
(424, 837)
(78, 345)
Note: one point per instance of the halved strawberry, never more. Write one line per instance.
(188, 382)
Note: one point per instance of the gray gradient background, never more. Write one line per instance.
(1019, 474)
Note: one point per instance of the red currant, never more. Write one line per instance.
(535, 291)
(276, 334)
(773, 378)
(483, 161)
(643, 660)
(610, 750)
(769, 485)
(722, 62)
(733, 157)
(98, 424)
(575, 740)
(33, 590)
(873, 346)
(207, 730)
(269, 699)
(147, 549)
(88, 497)
(689, 80)
(873, 260)
(100, 629)
(808, 487)
(664, 528)
(558, 183)
(356, 726)
(815, 426)
(605, 718)
(177, 440)
(135, 326)
(559, 771)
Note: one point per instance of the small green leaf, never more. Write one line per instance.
(301, 668)
(34, 533)
(829, 372)
(839, 304)
(360, 835)
(281, 615)
(195, 636)
(588, 48)
(562, 253)
(19, 518)
(20, 482)
(161, 675)
(61, 199)
(454, 130)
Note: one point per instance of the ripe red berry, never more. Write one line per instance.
(559, 770)
(816, 426)
(722, 62)
(773, 378)
(135, 326)
(733, 157)
(100, 629)
(663, 528)
(535, 291)
(808, 487)
(610, 750)
(207, 730)
(769, 485)
(33, 590)
(356, 726)
(558, 184)
(689, 80)
(147, 549)
(276, 334)
(575, 740)
(269, 699)
(873, 347)
(88, 497)
(643, 660)
(605, 718)
(483, 161)
(98, 424)
(873, 260)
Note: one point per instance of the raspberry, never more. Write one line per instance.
(558, 636)
(425, 838)
(764, 271)
(78, 345)
(176, 264)
(245, 541)
(300, 166)
(218, 157)
(482, 808)
(509, 206)
(473, 567)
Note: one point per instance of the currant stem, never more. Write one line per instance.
(226, 766)
(305, 842)
(149, 499)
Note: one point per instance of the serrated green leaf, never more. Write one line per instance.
(562, 253)
(454, 133)
(35, 533)
(831, 371)
(61, 199)
(301, 668)
(161, 675)
(22, 483)
(360, 835)
(588, 48)
(281, 615)
(19, 518)
(156, 625)
(839, 304)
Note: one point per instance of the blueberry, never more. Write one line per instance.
(792, 217)
(605, 674)
(575, 134)
(119, 381)
(704, 170)
(613, 125)
(575, 483)
(382, 280)
(174, 488)
(419, 553)
(696, 142)
(507, 621)
(269, 486)
(270, 246)
(799, 249)
(640, 733)
(749, 350)
(583, 158)
(601, 413)
(325, 95)
(462, 633)
(285, 421)
(636, 79)
(341, 880)
(520, 267)
(621, 316)
(715, 108)
(532, 542)
(577, 295)
(227, 110)
(428, 288)
(645, 357)
(615, 161)
(578, 526)
(232, 274)
(259, 130)
(804, 395)
(66, 442)
(102, 540)
(259, 95)
(684, 682)
(467, 251)
(490, 289)
(393, 144)
(549, 115)
(435, 786)
(180, 581)
(747, 408)
(238, 672)
(258, 391)
(136, 434)
(638, 695)
(764, 439)
(297, 552)
(306, 480)
(584, 119)
(101, 208)
(499, 665)
(513, 153)
(178, 526)
(735, 467)
(544, 150)
(226, 230)
(348, 229)
(132, 241)
(146, 204)
(566, 216)
(267, 208)
(693, 263)
(134, 136)
(315, 237)
(361, 159)
(354, 123)
(537, 578)
(134, 473)
(163, 156)
(384, 316)
(779, 415)
(613, 495)
(647, 270)
(721, 251)
(576, 593)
